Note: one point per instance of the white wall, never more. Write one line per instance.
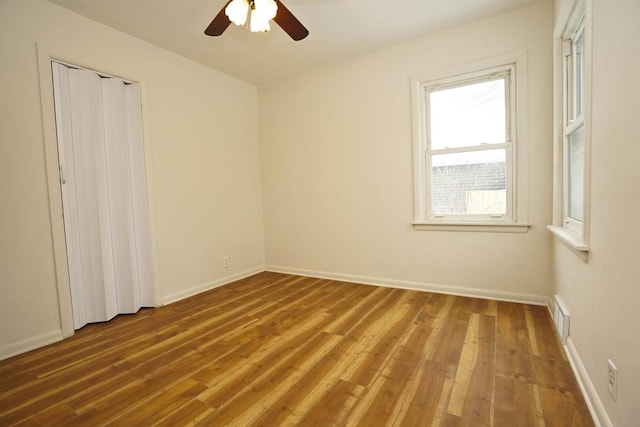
(337, 169)
(202, 159)
(603, 294)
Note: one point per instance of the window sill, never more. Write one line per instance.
(572, 241)
(487, 227)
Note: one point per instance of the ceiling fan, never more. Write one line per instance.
(260, 12)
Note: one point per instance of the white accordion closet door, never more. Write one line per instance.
(104, 194)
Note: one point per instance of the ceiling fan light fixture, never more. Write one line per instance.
(258, 22)
(262, 12)
(237, 11)
(266, 8)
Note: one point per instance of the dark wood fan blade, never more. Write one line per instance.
(219, 23)
(290, 23)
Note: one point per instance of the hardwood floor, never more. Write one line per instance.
(276, 349)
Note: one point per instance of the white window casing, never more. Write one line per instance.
(572, 114)
(484, 207)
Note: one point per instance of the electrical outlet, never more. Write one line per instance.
(225, 261)
(612, 380)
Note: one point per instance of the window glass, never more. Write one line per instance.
(472, 182)
(578, 48)
(469, 115)
(575, 175)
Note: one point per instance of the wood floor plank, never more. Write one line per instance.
(434, 318)
(53, 415)
(333, 407)
(172, 398)
(563, 409)
(454, 331)
(276, 349)
(242, 402)
(328, 372)
(313, 383)
(386, 392)
(480, 397)
(230, 380)
(466, 367)
(514, 356)
(193, 410)
(514, 403)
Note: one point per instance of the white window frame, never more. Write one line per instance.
(569, 119)
(573, 119)
(512, 67)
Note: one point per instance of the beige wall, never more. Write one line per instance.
(202, 155)
(337, 169)
(603, 294)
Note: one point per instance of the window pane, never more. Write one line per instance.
(575, 174)
(579, 74)
(468, 115)
(469, 183)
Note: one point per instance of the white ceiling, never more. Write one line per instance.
(339, 29)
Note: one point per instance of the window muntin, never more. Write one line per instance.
(469, 155)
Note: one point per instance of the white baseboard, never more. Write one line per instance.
(13, 349)
(177, 296)
(417, 286)
(598, 413)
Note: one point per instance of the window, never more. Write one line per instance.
(465, 149)
(573, 125)
(571, 179)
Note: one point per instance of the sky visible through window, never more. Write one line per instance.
(468, 116)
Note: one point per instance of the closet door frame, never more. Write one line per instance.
(46, 54)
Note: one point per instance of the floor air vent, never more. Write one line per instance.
(561, 318)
